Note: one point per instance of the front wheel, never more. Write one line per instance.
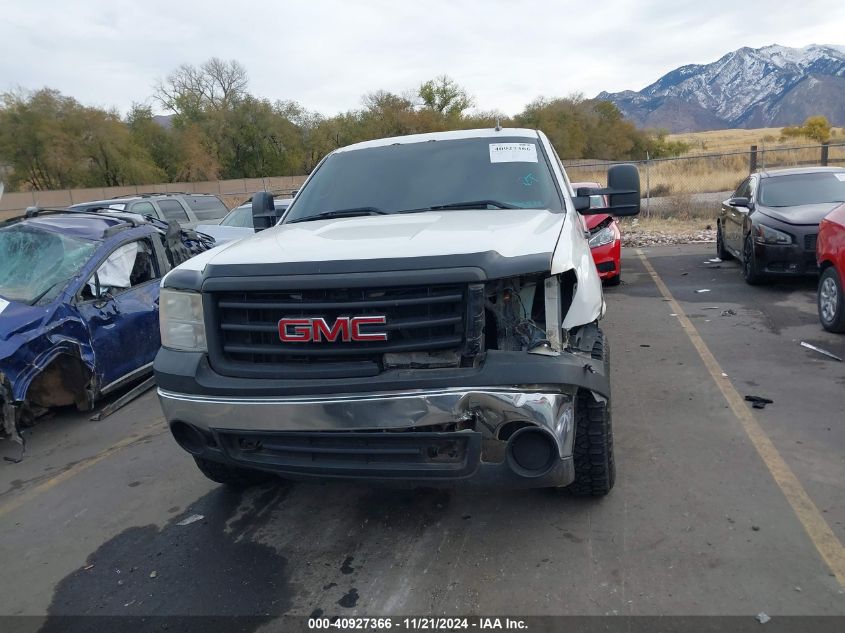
(749, 264)
(613, 281)
(231, 476)
(830, 301)
(595, 468)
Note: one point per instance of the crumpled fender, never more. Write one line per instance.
(572, 252)
(28, 354)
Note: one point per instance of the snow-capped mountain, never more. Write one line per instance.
(771, 86)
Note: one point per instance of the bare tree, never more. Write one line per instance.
(215, 85)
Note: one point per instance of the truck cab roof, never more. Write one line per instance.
(443, 136)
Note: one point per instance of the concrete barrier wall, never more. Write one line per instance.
(232, 192)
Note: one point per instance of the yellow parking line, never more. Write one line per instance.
(829, 547)
(74, 470)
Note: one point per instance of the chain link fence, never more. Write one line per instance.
(691, 187)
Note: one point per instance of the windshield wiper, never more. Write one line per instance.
(44, 294)
(340, 213)
(469, 204)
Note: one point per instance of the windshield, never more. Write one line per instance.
(94, 206)
(798, 189)
(242, 216)
(492, 172)
(37, 264)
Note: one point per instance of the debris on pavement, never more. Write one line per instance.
(702, 290)
(758, 402)
(153, 574)
(762, 618)
(191, 519)
(820, 351)
(87, 567)
(729, 312)
(634, 235)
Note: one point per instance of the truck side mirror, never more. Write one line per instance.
(622, 192)
(624, 184)
(263, 211)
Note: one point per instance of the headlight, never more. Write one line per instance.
(605, 236)
(767, 235)
(180, 320)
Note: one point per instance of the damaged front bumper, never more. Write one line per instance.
(510, 423)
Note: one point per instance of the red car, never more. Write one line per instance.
(605, 239)
(830, 254)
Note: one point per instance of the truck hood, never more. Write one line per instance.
(509, 233)
(804, 214)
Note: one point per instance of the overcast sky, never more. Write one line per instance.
(327, 53)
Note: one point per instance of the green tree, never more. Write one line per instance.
(442, 94)
(563, 121)
(197, 159)
(35, 141)
(113, 157)
(53, 142)
(159, 140)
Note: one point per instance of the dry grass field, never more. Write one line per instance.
(740, 140)
(719, 160)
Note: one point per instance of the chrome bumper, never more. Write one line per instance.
(491, 410)
(490, 413)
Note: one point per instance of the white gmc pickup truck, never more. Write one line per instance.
(426, 312)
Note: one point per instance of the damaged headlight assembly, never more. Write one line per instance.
(602, 237)
(181, 321)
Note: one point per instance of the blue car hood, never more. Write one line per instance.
(15, 318)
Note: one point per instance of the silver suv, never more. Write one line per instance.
(186, 209)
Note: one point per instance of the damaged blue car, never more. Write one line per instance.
(79, 306)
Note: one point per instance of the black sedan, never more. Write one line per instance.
(771, 222)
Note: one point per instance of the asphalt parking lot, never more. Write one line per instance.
(718, 508)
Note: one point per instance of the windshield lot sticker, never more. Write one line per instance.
(3, 304)
(513, 153)
(840, 176)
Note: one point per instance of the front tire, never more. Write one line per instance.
(830, 301)
(231, 476)
(595, 468)
(613, 281)
(749, 264)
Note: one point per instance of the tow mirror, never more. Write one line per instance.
(740, 202)
(623, 191)
(263, 211)
(625, 179)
